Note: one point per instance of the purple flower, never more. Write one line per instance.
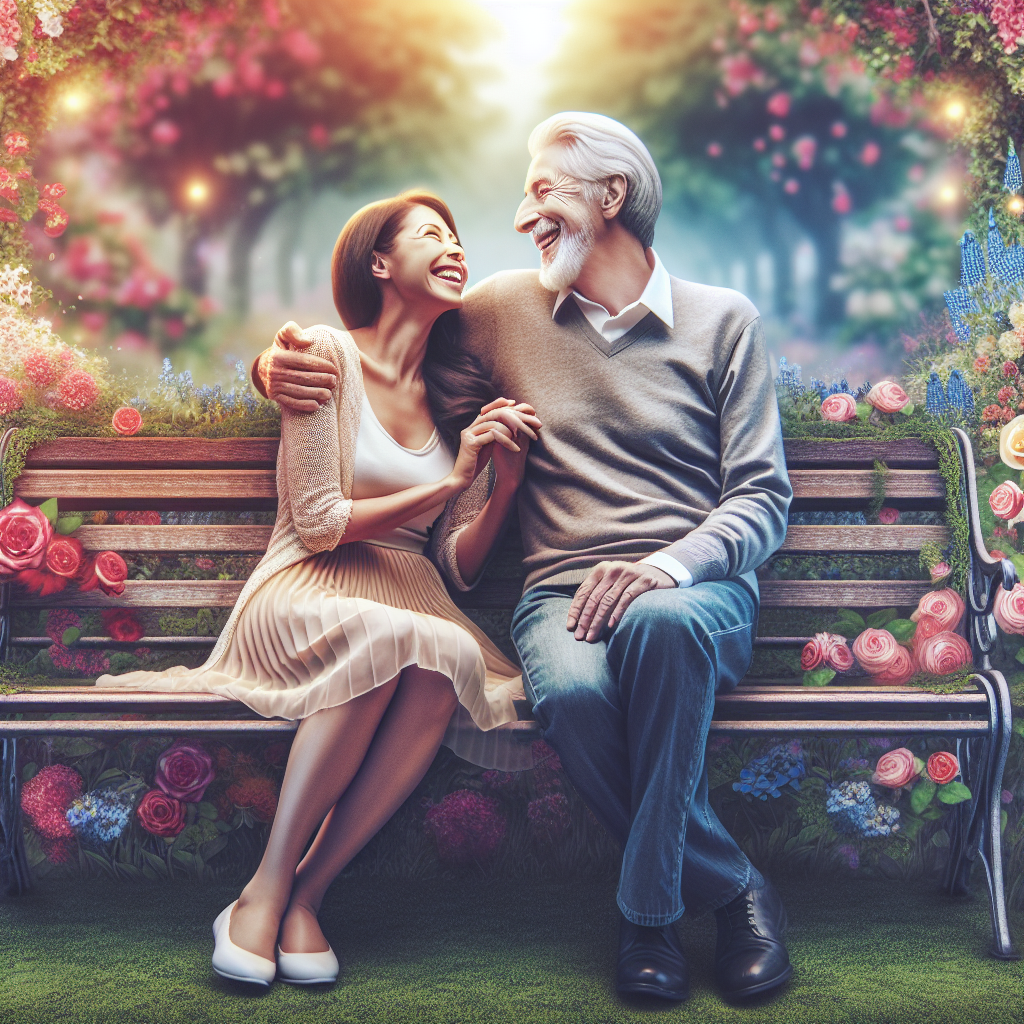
(549, 818)
(466, 826)
(496, 782)
(850, 855)
(184, 770)
(1007, 797)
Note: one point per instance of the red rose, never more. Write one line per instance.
(64, 556)
(946, 605)
(184, 770)
(41, 582)
(1009, 609)
(121, 624)
(1006, 500)
(24, 533)
(107, 571)
(944, 653)
(888, 515)
(895, 769)
(887, 397)
(839, 408)
(813, 653)
(927, 627)
(876, 650)
(837, 655)
(943, 767)
(160, 814)
(902, 668)
(127, 420)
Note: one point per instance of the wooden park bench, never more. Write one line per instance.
(238, 475)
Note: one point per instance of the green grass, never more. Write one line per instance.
(472, 950)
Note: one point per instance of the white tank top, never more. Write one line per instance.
(383, 466)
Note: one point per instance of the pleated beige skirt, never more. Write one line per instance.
(342, 622)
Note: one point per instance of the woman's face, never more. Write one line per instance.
(426, 261)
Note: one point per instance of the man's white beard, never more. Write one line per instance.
(573, 249)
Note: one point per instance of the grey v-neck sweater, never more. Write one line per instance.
(667, 439)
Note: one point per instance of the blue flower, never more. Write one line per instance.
(101, 815)
(853, 811)
(768, 775)
(1011, 178)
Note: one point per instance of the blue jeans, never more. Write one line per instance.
(629, 718)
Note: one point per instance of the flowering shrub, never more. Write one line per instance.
(467, 827)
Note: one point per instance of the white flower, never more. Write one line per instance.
(9, 53)
(1010, 346)
(49, 20)
(1017, 314)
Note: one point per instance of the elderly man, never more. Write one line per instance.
(658, 485)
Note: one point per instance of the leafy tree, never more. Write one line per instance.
(750, 110)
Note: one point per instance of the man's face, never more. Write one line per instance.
(561, 214)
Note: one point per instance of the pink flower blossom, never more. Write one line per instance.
(870, 154)
(1008, 17)
(549, 818)
(804, 149)
(776, 132)
(714, 149)
(838, 130)
(778, 104)
(887, 516)
(467, 827)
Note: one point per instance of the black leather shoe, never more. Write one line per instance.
(751, 958)
(651, 963)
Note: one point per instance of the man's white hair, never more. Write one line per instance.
(596, 147)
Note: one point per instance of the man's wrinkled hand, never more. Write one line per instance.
(604, 596)
(291, 376)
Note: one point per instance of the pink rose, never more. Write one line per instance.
(887, 516)
(944, 653)
(943, 767)
(902, 669)
(839, 408)
(1009, 609)
(1006, 500)
(837, 654)
(24, 533)
(184, 770)
(946, 605)
(895, 769)
(940, 571)
(813, 653)
(887, 397)
(876, 650)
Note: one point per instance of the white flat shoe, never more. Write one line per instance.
(231, 961)
(307, 968)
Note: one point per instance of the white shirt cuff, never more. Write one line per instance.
(672, 566)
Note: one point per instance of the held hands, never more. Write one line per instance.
(293, 377)
(604, 596)
(509, 428)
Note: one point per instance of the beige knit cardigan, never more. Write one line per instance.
(315, 463)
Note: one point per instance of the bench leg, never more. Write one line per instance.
(14, 873)
(990, 807)
(965, 822)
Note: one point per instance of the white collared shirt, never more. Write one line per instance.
(657, 299)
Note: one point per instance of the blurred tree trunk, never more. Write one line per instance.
(243, 240)
(193, 272)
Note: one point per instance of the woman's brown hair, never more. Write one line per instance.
(455, 380)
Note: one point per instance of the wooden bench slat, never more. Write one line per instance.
(841, 593)
(106, 641)
(158, 452)
(148, 594)
(867, 539)
(859, 483)
(175, 538)
(908, 453)
(153, 485)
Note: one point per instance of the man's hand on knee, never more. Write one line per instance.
(293, 377)
(604, 596)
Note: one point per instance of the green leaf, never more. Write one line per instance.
(1019, 656)
(157, 864)
(1003, 818)
(1018, 562)
(208, 810)
(907, 409)
(932, 814)
(49, 509)
(855, 619)
(820, 676)
(68, 525)
(183, 857)
(876, 620)
(29, 771)
(941, 839)
(70, 635)
(213, 847)
(889, 867)
(902, 629)
(954, 793)
(110, 773)
(921, 795)
(863, 410)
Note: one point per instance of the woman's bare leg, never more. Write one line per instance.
(328, 748)
(401, 752)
